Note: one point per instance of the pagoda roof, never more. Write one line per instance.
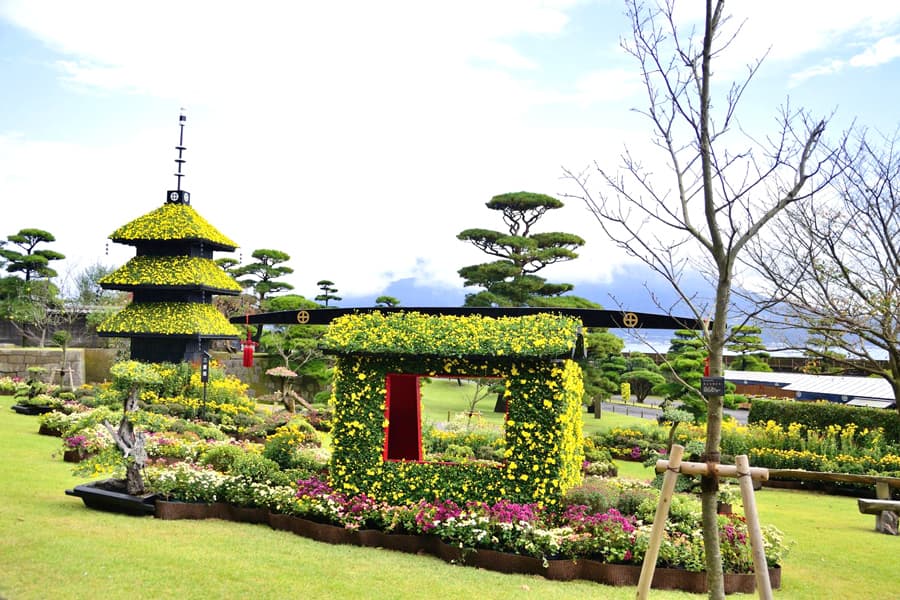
(172, 222)
(168, 319)
(171, 272)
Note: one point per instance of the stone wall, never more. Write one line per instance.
(14, 362)
(255, 376)
(82, 335)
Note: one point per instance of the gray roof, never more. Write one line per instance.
(872, 403)
(771, 378)
(852, 387)
(873, 388)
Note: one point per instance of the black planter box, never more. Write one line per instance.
(28, 409)
(109, 495)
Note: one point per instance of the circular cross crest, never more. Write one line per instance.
(629, 319)
(302, 317)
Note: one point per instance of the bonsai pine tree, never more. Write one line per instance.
(31, 299)
(131, 378)
(643, 375)
(684, 365)
(261, 277)
(298, 346)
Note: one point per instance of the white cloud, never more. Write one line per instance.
(883, 51)
(794, 31)
(828, 68)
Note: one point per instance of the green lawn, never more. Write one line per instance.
(53, 547)
(443, 397)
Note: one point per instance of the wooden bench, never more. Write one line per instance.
(886, 511)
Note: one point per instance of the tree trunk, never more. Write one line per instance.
(134, 480)
(131, 445)
(894, 366)
(709, 485)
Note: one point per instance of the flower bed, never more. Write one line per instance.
(836, 448)
(559, 569)
(504, 536)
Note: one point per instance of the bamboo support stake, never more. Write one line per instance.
(659, 520)
(883, 492)
(692, 468)
(758, 549)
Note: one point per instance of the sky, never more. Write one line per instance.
(362, 137)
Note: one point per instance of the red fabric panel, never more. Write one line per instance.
(404, 433)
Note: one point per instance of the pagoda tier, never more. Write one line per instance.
(173, 279)
(172, 228)
(170, 274)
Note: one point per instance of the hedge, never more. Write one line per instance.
(820, 415)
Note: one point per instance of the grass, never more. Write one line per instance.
(53, 547)
(443, 397)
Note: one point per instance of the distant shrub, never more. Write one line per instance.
(222, 457)
(598, 494)
(819, 415)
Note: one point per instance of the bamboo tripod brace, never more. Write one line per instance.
(745, 475)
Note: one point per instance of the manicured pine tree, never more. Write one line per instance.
(521, 252)
(328, 292)
(32, 262)
(745, 340)
(643, 375)
(683, 369)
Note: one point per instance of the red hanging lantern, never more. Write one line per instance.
(247, 347)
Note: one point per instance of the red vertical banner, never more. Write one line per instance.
(247, 347)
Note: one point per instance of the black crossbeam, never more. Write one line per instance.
(590, 317)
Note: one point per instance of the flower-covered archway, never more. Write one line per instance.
(376, 437)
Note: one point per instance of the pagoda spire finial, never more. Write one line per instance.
(179, 196)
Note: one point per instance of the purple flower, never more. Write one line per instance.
(505, 511)
(429, 513)
(313, 487)
(76, 441)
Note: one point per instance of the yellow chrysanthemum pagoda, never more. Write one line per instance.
(173, 279)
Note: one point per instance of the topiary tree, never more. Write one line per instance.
(603, 367)
(387, 301)
(642, 382)
(131, 378)
(685, 362)
(642, 375)
(328, 292)
(62, 337)
(521, 252)
(31, 262)
(747, 343)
